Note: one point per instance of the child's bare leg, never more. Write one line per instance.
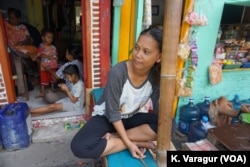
(46, 109)
(42, 92)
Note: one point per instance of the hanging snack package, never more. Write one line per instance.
(183, 51)
(196, 19)
(215, 74)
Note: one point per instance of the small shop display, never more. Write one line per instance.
(233, 46)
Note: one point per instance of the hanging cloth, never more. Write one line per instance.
(147, 15)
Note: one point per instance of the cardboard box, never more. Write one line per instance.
(202, 145)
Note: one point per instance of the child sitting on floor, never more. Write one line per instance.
(75, 99)
(73, 56)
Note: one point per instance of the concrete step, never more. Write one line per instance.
(45, 154)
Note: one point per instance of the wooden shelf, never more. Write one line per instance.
(235, 69)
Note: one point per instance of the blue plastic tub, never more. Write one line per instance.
(246, 65)
(13, 126)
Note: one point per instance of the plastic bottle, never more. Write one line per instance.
(236, 105)
(13, 126)
(204, 106)
(198, 129)
(205, 122)
(188, 113)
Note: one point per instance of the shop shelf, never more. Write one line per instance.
(231, 66)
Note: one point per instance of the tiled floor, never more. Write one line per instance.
(46, 154)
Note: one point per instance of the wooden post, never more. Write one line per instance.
(5, 65)
(105, 12)
(116, 30)
(86, 42)
(171, 32)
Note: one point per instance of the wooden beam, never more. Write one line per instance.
(184, 38)
(104, 39)
(139, 17)
(171, 32)
(115, 36)
(86, 42)
(5, 60)
(125, 22)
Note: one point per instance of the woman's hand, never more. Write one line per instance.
(135, 151)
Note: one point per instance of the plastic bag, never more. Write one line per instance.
(196, 19)
(215, 74)
(183, 51)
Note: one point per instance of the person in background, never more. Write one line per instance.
(47, 58)
(122, 118)
(20, 43)
(17, 33)
(73, 56)
(75, 97)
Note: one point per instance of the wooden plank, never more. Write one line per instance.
(184, 37)
(104, 40)
(116, 32)
(139, 17)
(124, 158)
(234, 137)
(5, 60)
(86, 42)
(123, 51)
(21, 78)
(132, 28)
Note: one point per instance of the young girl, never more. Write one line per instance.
(47, 55)
(75, 99)
(73, 56)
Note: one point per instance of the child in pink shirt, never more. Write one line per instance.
(47, 56)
